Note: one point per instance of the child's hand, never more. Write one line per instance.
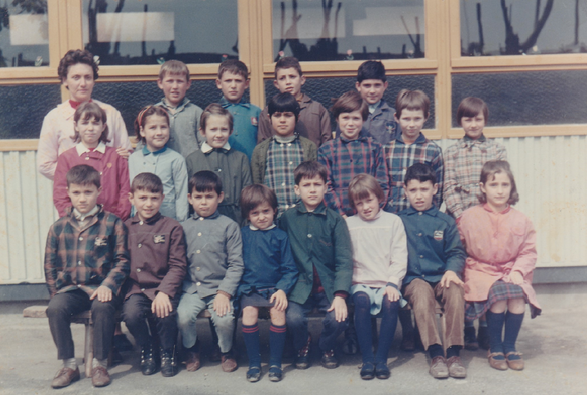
(339, 307)
(161, 306)
(392, 293)
(123, 152)
(450, 276)
(280, 299)
(103, 293)
(516, 277)
(221, 305)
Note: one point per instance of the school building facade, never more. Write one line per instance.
(526, 59)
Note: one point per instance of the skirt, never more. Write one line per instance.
(499, 291)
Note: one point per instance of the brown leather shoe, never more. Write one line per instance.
(499, 364)
(514, 364)
(228, 362)
(64, 377)
(456, 369)
(438, 368)
(100, 377)
(192, 362)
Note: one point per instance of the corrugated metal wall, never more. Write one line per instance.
(550, 174)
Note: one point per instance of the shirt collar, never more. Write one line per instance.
(373, 107)
(305, 98)
(363, 135)
(254, 228)
(285, 140)
(469, 142)
(206, 148)
(505, 211)
(432, 211)
(82, 149)
(320, 210)
(225, 103)
(179, 107)
(151, 220)
(420, 139)
(146, 151)
(213, 216)
(82, 217)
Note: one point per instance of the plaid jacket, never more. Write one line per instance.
(400, 156)
(87, 257)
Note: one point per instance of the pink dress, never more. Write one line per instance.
(496, 244)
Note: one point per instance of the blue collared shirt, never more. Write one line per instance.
(246, 125)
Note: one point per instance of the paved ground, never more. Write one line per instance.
(554, 347)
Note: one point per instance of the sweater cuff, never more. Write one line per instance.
(342, 294)
(392, 285)
(229, 296)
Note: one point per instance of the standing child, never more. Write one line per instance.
(91, 136)
(275, 159)
(314, 120)
(380, 257)
(217, 155)
(501, 249)
(152, 126)
(233, 80)
(270, 273)
(157, 269)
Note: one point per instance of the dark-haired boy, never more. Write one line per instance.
(436, 260)
(158, 265)
(314, 120)
(86, 262)
(233, 80)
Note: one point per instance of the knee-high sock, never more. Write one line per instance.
(495, 328)
(277, 335)
(513, 323)
(251, 336)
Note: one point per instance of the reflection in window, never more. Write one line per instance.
(24, 33)
(313, 30)
(125, 32)
(523, 27)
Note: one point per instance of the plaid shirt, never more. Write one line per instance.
(86, 257)
(463, 162)
(400, 156)
(282, 159)
(347, 158)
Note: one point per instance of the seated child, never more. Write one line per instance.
(233, 80)
(321, 247)
(215, 267)
(270, 273)
(501, 249)
(157, 269)
(380, 257)
(314, 120)
(184, 116)
(217, 155)
(352, 152)
(152, 127)
(86, 262)
(371, 84)
(275, 159)
(91, 136)
(435, 262)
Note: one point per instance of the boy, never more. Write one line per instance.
(86, 262)
(314, 121)
(158, 264)
(275, 159)
(321, 247)
(371, 84)
(184, 116)
(215, 267)
(233, 80)
(436, 259)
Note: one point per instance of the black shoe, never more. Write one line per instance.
(254, 374)
(116, 357)
(302, 360)
(382, 371)
(328, 360)
(169, 367)
(148, 361)
(470, 339)
(275, 373)
(368, 371)
(122, 343)
(483, 338)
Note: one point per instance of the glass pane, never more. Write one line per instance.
(24, 33)
(314, 30)
(152, 31)
(522, 27)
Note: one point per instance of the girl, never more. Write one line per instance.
(91, 137)
(270, 273)
(380, 258)
(501, 249)
(152, 128)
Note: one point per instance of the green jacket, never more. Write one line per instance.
(319, 239)
(259, 158)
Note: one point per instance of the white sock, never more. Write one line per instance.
(70, 363)
(97, 362)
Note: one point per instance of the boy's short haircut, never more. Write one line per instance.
(83, 175)
(148, 182)
(283, 102)
(286, 63)
(488, 172)
(421, 172)
(75, 56)
(233, 66)
(361, 186)
(371, 70)
(144, 114)
(204, 181)
(310, 169)
(349, 102)
(174, 67)
(254, 195)
(215, 109)
(88, 111)
(470, 107)
(412, 101)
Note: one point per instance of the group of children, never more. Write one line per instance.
(288, 219)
